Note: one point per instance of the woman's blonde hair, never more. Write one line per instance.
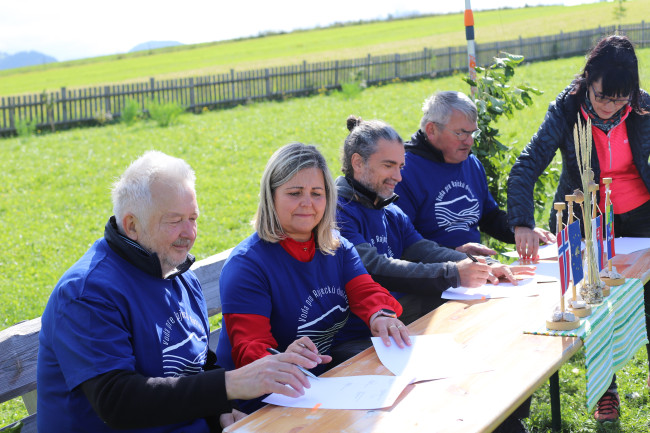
(283, 165)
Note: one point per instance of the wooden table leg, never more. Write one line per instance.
(556, 412)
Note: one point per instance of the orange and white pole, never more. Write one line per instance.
(471, 47)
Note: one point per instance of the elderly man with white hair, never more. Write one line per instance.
(124, 337)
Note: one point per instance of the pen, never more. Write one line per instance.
(307, 372)
(472, 258)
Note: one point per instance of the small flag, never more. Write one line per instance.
(597, 230)
(575, 239)
(609, 228)
(563, 254)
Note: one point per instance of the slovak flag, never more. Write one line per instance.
(609, 228)
(563, 254)
(575, 239)
(597, 231)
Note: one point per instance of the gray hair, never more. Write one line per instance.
(284, 164)
(439, 107)
(363, 138)
(132, 191)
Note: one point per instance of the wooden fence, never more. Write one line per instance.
(66, 108)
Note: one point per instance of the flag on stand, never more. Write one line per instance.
(609, 228)
(575, 239)
(597, 230)
(563, 254)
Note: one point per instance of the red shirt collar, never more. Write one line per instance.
(302, 251)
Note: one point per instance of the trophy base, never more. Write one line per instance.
(581, 312)
(613, 281)
(562, 325)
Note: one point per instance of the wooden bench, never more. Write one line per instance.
(19, 346)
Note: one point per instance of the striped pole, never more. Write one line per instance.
(471, 47)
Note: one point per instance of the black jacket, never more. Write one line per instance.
(556, 132)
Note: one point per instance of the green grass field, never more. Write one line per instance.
(350, 41)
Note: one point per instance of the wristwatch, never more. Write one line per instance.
(386, 312)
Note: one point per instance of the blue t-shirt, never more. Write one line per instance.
(388, 229)
(445, 201)
(106, 314)
(299, 298)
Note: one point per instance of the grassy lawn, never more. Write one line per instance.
(54, 194)
(351, 41)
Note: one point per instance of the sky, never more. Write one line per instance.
(73, 29)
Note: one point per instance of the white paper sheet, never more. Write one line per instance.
(350, 392)
(630, 245)
(429, 357)
(544, 271)
(548, 251)
(526, 287)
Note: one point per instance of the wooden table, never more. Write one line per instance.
(634, 265)
(472, 403)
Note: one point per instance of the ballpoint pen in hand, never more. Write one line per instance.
(307, 372)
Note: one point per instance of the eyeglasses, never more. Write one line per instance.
(463, 135)
(602, 99)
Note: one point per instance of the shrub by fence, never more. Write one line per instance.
(66, 107)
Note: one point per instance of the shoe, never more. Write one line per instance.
(608, 407)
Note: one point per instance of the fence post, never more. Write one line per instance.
(12, 114)
(397, 65)
(642, 33)
(192, 100)
(449, 54)
(107, 99)
(368, 70)
(232, 84)
(267, 79)
(304, 75)
(152, 85)
(336, 74)
(64, 106)
(425, 61)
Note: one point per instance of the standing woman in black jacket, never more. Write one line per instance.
(607, 92)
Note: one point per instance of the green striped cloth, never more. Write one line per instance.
(612, 335)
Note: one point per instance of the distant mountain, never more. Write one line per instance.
(152, 45)
(24, 58)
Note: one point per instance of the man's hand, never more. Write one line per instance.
(386, 327)
(527, 241)
(270, 374)
(305, 347)
(511, 272)
(475, 274)
(226, 419)
(476, 249)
